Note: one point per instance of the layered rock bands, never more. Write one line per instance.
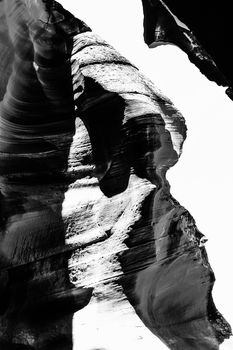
(87, 218)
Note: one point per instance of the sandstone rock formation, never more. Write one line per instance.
(201, 29)
(86, 211)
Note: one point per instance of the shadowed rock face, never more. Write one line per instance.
(37, 124)
(87, 218)
(201, 29)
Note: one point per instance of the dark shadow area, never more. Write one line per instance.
(102, 112)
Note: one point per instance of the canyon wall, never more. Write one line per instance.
(87, 217)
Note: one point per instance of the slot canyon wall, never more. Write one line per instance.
(87, 218)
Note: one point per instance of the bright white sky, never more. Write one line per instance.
(202, 179)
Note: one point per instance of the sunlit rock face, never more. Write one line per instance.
(201, 29)
(87, 218)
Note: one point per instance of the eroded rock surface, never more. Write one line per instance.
(87, 218)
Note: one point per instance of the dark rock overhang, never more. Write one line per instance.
(201, 29)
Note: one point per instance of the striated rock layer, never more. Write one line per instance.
(87, 218)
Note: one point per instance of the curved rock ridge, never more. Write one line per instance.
(41, 77)
(87, 218)
(202, 30)
(122, 109)
(37, 124)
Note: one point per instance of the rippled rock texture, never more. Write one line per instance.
(87, 218)
(201, 29)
